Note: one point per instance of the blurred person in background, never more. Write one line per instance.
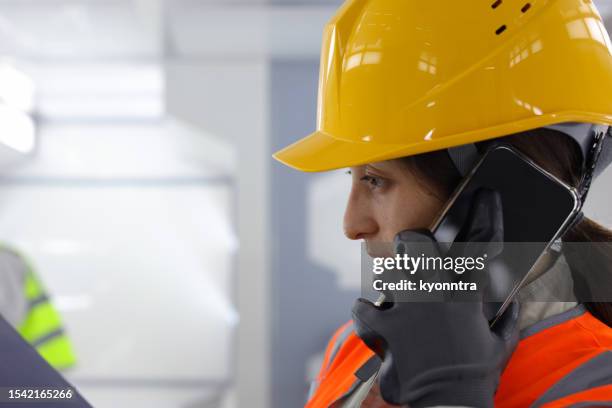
(26, 305)
(406, 89)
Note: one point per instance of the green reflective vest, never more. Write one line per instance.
(42, 327)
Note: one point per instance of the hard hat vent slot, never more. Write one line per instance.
(526, 7)
(501, 29)
(496, 4)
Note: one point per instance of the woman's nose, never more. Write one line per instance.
(359, 223)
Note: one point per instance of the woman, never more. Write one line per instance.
(405, 88)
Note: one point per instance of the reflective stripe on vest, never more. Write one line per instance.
(546, 370)
(594, 374)
(42, 327)
(591, 398)
(553, 354)
(333, 346)
(345, 354)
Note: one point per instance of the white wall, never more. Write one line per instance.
(229, 99)
(599, 201)
(133, 237)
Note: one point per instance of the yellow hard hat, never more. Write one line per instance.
(400, 78)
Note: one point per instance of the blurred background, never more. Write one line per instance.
(188, 268)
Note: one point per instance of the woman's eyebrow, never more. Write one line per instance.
(376, 169)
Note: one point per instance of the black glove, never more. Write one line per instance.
(441, 353)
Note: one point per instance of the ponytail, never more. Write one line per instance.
(595, 265)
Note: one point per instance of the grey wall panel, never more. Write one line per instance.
(308, 302)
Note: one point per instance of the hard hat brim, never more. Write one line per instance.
(322, 152)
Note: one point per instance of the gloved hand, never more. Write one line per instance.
(444, 352)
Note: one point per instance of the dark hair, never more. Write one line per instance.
(559, 155)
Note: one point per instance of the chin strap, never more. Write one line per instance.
(597, 158)
(596, 147)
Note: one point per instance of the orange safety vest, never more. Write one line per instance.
(562, 361)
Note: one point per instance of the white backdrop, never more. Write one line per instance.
(133, 237)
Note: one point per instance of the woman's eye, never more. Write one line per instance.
(372, 181)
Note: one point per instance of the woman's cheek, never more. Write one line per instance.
(394, 217)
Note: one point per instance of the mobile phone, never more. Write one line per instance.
(537, 207)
